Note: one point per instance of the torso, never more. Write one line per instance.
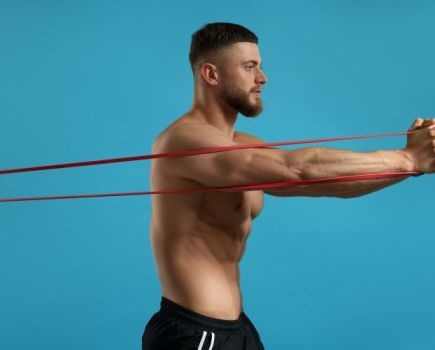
(198, 240)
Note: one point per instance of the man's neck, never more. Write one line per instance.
(214, 114)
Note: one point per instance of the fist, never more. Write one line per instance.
(421, 123)
(421, 145)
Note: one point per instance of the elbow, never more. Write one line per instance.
(304, 163)
(267, 166)
(349, 195)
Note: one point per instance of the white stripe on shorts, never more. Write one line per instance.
(204, 334)
(212, 341)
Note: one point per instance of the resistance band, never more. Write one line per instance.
(208, 150)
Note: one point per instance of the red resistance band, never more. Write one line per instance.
(207, 150)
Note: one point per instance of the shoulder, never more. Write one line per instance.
(190, 135)
(243, 137)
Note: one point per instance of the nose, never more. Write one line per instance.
(261, 78)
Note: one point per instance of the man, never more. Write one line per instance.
(198, 239)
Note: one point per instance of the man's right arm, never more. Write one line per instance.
(251, 166)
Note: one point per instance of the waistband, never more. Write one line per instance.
(179, 312)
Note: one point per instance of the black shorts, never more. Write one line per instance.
(175, 327)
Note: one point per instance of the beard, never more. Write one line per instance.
(241, 101)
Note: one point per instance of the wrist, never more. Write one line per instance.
(409, 161)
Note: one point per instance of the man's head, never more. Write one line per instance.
(225, 58)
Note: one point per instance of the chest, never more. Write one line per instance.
(232, 208)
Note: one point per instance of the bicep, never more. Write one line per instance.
(223, 169)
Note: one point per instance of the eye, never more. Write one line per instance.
(249, 67)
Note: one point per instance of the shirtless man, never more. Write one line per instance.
(198, 239)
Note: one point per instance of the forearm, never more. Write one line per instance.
(314, 163)
(317, 162)
(349, 189)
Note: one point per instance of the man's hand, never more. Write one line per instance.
(420, 145)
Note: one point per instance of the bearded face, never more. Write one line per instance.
(247, 103)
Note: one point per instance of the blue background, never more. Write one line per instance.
(82, 80)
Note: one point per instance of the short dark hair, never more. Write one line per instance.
(212, 37)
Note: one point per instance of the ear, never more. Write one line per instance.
(209, 73)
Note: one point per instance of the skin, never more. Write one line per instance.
(198, 239)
